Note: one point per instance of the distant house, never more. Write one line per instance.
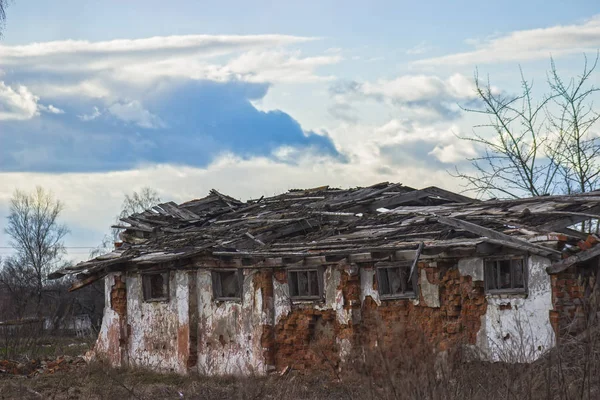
(218, 286)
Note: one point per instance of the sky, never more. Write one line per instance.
(99, 99)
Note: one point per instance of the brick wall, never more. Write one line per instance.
(306, 337)
(118, 297)
(571, 290)
(309, 336)
(457, 320)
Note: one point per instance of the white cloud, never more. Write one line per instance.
(90, 117)
(414, 88)
(528, 44)
(205, 44)
(94, 89)
(134, 112)
(454, 152)
(92, 68)
(51, 109)
(17, 104)
(422, 98)
(279, 66)
(363, 143)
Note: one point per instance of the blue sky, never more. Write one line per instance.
(98, 99)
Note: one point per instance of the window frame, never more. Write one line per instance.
(512, 290)
(147, 287)
(217, 288)
(385, 266)
(320, 282)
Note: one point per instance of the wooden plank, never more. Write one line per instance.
(572, 218)
(573, 233)
(223, 199)
(499, 237)
(415, 261)
(248, 234)
(402, 198)
(84, 282)
(574, 259)
(133, 228)
(177, 212)
(458, 198)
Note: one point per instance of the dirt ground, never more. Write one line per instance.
(97, 382)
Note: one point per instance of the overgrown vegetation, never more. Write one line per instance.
(401, 369)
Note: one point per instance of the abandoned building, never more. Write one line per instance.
(219, 286)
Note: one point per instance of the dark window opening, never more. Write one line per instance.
(155, 286)
(394, 281)
(306, 284)
(505, 275)
(227, 284)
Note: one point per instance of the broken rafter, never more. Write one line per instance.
(415, 261)
(575, 259)
(324, 224)
(248, 234)
(223, 199)
(498, 237)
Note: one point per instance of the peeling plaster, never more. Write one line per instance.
(429, 291)
(158, 327)
(281, 300)
(229, 338)
(230, 333)
(334, 296)
(107, 344)
(367, 277)
(472, 267)
(523, 332)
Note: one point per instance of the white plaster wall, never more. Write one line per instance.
(281, 300)
(154, 326)
(334, 297)
(367, 277)
(229, 332)
(107, 343)
(524, 332)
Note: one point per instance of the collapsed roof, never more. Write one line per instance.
(326, 224)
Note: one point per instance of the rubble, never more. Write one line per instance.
(44, 366)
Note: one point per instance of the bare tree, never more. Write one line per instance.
(37, 237)
(531, 147)
(573, 121)
(137, 202)
(3, 5)
(16, 287)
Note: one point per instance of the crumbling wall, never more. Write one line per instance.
(230, 333)
(111, 341)
(159, 330)
(266, 330)
(575, 299)
(516, 327)
(317, 335)
(447, 311)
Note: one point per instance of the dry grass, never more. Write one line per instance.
(404, 369)
(97, 382)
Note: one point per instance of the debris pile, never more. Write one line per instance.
(35, 367)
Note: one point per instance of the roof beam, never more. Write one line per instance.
(498, 237)
(417, 195)
(575, 259)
